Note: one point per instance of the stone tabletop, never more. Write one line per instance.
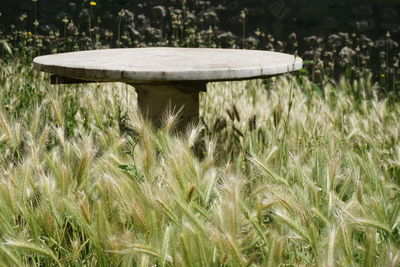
(152, 65)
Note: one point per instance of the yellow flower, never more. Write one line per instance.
(382, 75)
(93, 3)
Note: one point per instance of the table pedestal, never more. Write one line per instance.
(155, 99)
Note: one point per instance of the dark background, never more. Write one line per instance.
(277, 17)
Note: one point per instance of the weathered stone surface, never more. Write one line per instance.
(155, 99)
(149, 65)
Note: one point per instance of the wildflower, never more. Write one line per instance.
(328, 54)
(292, 37)
(65, 20)
(242, 14)
(71, 26)
(23, 17)
(346, 52)
(311, 40)
(209, 31)
(93, 3)
(121, 13)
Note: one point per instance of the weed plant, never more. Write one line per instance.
(86, 180)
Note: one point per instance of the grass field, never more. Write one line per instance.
(280, 173)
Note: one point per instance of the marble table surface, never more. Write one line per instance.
(163, 64)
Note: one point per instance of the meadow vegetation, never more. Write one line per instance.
(296, 170)
(277, 173)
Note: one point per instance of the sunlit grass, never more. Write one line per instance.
(85, 180)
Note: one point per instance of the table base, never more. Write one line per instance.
(154, 100)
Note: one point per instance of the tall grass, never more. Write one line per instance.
(85, 180)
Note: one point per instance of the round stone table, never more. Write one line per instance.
(165, 77)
